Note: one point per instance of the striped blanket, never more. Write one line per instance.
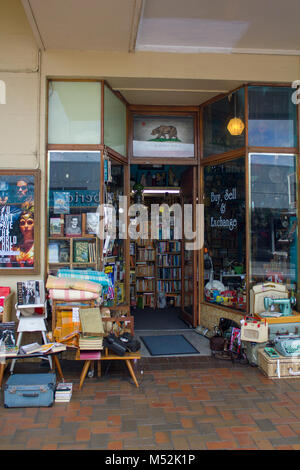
(88, 275)
(71, 294)
(54, 282)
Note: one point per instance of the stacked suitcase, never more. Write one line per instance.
(27, 390)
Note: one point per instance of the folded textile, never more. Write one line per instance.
(71, 294)
(54, 282)
(88, 275)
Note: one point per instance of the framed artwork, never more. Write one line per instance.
(19, 221)
(56, 226)
(73, 225)
(92, 223)
(163, 136)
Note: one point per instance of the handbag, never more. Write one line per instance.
(114, 344)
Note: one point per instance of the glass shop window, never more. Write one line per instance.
(73, 220)
(274, 226)
(74, 115)
(225, 234)
(217, 138)
(272, 117)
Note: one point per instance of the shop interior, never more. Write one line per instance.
(161, 270)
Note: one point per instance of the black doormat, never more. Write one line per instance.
(158, 319)
(168, 345)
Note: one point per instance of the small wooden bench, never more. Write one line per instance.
(107, 356)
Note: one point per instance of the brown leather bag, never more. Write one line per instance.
(217, 343)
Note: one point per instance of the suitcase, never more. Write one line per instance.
(27, 390)
(267, 289)
(283, 367)
(278, 329)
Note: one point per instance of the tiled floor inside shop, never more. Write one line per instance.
(186, 402)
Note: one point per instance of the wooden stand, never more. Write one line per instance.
(128, 358)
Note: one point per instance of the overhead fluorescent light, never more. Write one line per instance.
(161, 191)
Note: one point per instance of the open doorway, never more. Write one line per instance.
(162, 271)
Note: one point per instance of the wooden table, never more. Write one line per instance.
(107, 356)
(55, 363)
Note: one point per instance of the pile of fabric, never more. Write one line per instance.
(72, 290)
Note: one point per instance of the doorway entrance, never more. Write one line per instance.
(163, 282)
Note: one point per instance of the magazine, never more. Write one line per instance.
(31, 294)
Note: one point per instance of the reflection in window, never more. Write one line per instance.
(73, 199)
(272, 117)
(225, 240)
(273, 219)
(216, 117)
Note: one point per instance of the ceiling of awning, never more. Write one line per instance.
(189, 26)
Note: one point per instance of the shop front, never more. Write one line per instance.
(238, 157)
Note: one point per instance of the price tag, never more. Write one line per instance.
(75, 314)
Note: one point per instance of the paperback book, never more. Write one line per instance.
(30, 294)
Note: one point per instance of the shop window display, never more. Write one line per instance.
(74, 182)
(273, 219)
(225, 234)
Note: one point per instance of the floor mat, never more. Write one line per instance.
(158, 319)
(168, 345)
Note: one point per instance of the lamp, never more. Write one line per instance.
(235, 125)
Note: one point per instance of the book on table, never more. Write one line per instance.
(63, 392)
(33, 348)
(91, 322)
(91, 343)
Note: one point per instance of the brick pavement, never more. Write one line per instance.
(196, 403)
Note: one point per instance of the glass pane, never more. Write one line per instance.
(74, 113)
(163, 136)
(273, 219)
(272, 117)
(114, 122)
(225, 234)
(216, 116)
(114, 242)
(73, 199)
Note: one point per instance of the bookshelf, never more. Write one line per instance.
(145, 274)
(169, 271)
(72, 252)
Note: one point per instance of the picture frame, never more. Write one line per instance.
(91, 223)
(56, 226)
(163, 136)
(20, 230)
(73, 226)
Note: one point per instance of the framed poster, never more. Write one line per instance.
(73, 225)
(163, 136)
(19, 221)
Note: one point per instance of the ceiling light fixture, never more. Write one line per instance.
(235, 125)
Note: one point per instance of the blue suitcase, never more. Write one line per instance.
(25, 390)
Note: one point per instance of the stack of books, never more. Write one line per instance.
(63, 392)
(91, 342)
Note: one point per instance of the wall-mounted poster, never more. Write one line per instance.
(19, 219)
(163, 136)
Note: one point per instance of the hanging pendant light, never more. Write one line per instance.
(235, 125)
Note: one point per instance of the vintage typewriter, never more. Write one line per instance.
(287, 345)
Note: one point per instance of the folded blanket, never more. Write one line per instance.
(88, 275)
(71, 294)
(54, 282)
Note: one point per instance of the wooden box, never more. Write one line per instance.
(282, 367)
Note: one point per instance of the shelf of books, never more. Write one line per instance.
(145, 274)
(72, 252)
(169, 271)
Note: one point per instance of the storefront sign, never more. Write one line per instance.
(221, 199)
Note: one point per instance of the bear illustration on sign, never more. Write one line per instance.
(162, 132)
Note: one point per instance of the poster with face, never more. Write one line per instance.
(17, 218)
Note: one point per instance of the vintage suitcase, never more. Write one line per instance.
(267, 289)
(251, 350)
(282, 367)
(27, 390)
(278, 329)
